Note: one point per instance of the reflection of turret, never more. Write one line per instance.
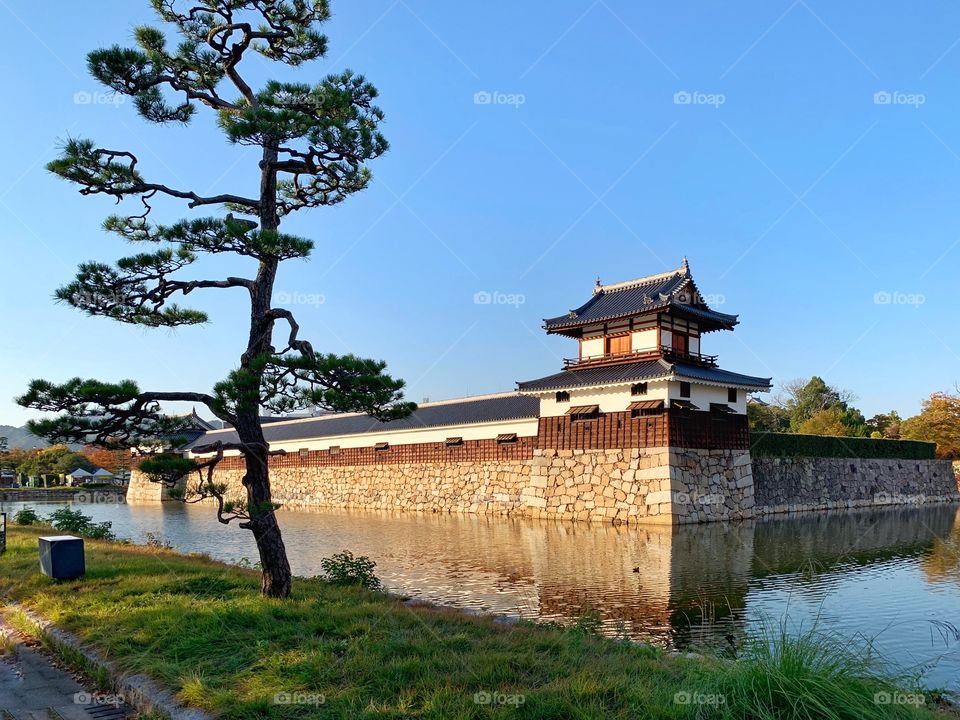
(654, 583)
(943, 561)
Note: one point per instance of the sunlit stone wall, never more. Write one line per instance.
(658, 485)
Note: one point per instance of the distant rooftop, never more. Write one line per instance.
(674, 290)
(463, 411)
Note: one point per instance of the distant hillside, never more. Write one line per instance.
(20, 437)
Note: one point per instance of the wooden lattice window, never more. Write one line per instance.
(645, 408)
(582, 413)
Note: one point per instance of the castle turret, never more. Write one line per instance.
(640, 347)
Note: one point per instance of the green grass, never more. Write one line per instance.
(201, 628)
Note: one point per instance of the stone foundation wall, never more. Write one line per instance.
(141, 490)
(656, 485)
(669, 485)
(619, 486)
(797, 484)
(60, 494)
(493, 487)
(711, 485)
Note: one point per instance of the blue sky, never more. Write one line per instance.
(805, 156)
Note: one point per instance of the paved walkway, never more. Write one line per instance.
(33, 688)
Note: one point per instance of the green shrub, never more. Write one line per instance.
(795, 445)
(346, 569)
(27, 516)
(74, 521)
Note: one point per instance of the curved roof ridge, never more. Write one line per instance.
(683, 270)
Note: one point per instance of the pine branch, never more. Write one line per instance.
(115, 415)
(114, 172)
(136, 291)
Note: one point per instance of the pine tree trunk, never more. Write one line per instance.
(276, 576)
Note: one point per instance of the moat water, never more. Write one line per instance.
(890, 576)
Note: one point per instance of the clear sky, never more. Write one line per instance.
(805, 156)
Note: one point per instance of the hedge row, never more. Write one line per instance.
(793, 445)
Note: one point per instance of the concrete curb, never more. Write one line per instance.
(139, 691)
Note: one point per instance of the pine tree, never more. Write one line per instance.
(314, 142)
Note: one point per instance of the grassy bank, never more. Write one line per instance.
(200, 628)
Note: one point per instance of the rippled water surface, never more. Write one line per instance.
(892, 575)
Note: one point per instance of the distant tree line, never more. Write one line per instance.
(812, 407)
(51, 464)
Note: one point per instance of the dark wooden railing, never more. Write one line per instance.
(664, 351)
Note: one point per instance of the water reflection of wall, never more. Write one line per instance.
(820, 540)
(691, 583)
(942, 564)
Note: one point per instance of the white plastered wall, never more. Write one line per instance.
(703, 395)
(614, 398)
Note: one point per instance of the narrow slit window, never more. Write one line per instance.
(381, 446)
(334, 450)
(684, 389)
(731, 395)
(506, 438)
(563, 396)
(454, 441)
(638, 389)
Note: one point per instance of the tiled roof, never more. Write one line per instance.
(724, 377)
(674, 290)
(461, 412)
(647, 370)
